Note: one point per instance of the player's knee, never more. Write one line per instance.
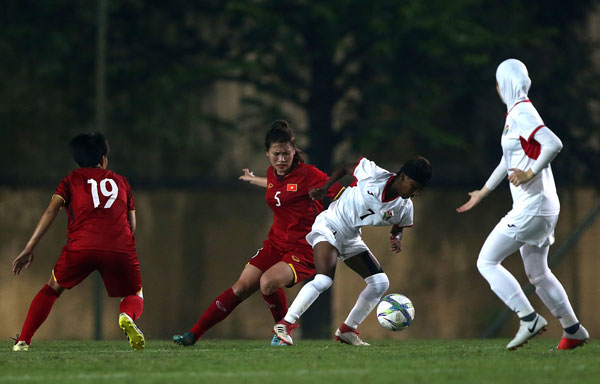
(538, 279)
(321, 283)
(483, 265)
(242, 290)
(379, 283)
(268, 286)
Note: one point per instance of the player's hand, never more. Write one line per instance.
(396, 242)
(475, 198)
(247, 176)
(518, 177)
(23, 261)
(317, 193)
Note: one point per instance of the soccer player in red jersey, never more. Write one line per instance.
(285, 258)
(101, 213)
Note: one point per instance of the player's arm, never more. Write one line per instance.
(132, 221)
(550, 147)
(249, 177)
(476, 196)
(25, 258)
(319, 193)
(396, 238)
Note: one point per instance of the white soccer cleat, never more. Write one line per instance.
(133, 333)
(20, 346)
(528, 330)
(281, 331)
(349, 338)
(572, 341)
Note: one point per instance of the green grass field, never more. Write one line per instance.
(322, 361)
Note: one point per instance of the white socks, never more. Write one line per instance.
(307, 295)
(377, 285)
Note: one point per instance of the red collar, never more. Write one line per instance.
(384, 199)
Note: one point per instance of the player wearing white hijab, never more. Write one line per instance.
(528, 147)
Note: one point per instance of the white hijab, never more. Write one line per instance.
(513, 81)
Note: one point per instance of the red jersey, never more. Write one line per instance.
(97, 202)
(294, 212)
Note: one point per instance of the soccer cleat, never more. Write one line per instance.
(527, 330)
(20, 346)
(133, 333)
(185, 340)
(575, 340)
(349, 338)
(276, 342)
(283, 331)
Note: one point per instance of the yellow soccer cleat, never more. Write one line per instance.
(21, 346)
(133, 333)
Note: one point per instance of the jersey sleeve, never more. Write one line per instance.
(405, 219)
(63, 190)
(365, 169)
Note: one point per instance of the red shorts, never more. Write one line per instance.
(120, 271)
(300, 259)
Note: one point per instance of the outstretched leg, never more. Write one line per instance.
(38, 313)
(223, 305)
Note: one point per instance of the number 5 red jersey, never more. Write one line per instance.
(294, 212)
(97, 202)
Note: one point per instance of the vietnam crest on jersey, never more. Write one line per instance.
(292, 187)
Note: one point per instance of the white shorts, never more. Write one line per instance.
(534, 230)
(347, 247)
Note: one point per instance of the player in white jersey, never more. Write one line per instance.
(377, 198)
(528, 147)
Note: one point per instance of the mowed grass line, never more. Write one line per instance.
(310, 361)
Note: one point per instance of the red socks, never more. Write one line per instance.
(38, 312)
(277, 303)
(132, 305)
(219, 309)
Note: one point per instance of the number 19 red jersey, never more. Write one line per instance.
(293, 210)
(97, 202)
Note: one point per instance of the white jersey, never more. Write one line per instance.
(366, 204)
(520, 150)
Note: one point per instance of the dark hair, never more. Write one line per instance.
(88, 149)
(280, 132)
(418, 169)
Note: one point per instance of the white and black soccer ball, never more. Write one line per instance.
(395, 312)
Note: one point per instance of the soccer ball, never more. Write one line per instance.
(395, 312)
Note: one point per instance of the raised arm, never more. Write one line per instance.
(249, 177)
(319, 193)
(476, 196)
(25, 258)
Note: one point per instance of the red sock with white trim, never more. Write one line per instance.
(277, 303)
(133, 306)
(218, 310)
(38, 312)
